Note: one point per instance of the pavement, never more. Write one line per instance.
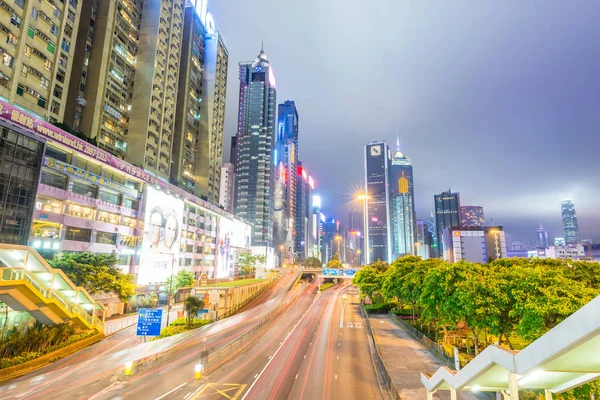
(405, 358)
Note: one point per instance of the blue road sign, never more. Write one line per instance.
(149, 320)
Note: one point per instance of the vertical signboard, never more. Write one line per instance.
(149, 320)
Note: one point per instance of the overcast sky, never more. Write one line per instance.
(499, 100)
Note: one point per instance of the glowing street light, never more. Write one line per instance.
(198, 368)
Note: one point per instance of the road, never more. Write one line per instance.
(302, 345)
(97, 372)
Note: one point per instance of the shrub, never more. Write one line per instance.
(180, 325)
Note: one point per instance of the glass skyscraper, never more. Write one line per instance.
(403, 205)
(471, 217)
(447, 215)
(254, 144)
(569, 218)
(378, 163)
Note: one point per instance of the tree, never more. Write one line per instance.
(369, 280)
(180, 280)
(312, 262)
(192, 305)
(379, 265)
(335, 262)
(148, 300)
(395, 279)
(249, 262)
(96, 273)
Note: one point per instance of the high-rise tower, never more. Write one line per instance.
(378, 241)
(569, 218)
(542, 237)
(255, 144)
(447, 215)
(402, 205)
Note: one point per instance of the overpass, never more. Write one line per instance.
(28, 283)
(339, 273)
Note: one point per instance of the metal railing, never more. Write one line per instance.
(386, 382)
(434, 347)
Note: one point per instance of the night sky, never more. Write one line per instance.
(499, 100)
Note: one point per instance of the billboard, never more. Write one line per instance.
(232, 234)
(161, 238)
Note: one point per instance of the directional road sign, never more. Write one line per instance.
(149, 320)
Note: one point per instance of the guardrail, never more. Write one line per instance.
(387, 383)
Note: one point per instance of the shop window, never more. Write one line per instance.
(106, 237)
(53, 179)
(85, 189)
(75, 210)
(131, 203)
(127, 240)
(45, 230)
(77, 234)
(111, 218)
(109, 197)
(48, 205)
(130, 222)
(56, 153)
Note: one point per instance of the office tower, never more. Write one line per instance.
(378, 160)
(542, 237)
(422, 240)
(357, 226)
(559, 241)
(233, 151)
(447, 215)
(37, 54)
(129, 114)
(227, 187)
(304, 237)
(253, 168)
(285, 158)
(471, 217)
(21, 159)
(403, 205)
(330, 244)
(200, 112)
(467, 244)
(316, 234)
(432, 231)
(495, 242)
(570, 226)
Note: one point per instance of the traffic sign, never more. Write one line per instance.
(367, 300)
(149, 320)
(204, 339)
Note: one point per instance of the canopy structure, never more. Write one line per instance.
(567, 356)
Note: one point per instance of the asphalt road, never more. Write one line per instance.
(98, 371)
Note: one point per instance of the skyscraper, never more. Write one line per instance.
(254, 163)
(570, 226)
(199, 118)
(227, 187)
(37, 52)
(447, 215)
(378, 163)
(316, 229)
(432, 231)
(422, 240)
(471, 217)
(402, 205)
(285, 159)
(304, 238)
(542, 237)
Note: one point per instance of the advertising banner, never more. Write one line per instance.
(162, 236)
(233, 234)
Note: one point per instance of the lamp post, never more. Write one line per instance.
(365, 198)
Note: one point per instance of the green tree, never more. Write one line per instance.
(148, 300)
(95, 273)
(312, 262)
(379, 265)
(192, 305)
(395, 280)
(180, 280)
(335, 262)
(249, 262)
(369, 280)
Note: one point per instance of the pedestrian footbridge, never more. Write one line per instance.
(340, 273)
(28, 283)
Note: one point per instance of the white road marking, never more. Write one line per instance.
(255, 376)
(310, 344)
(196, 391)
(339, 344)
(187, 395)
(305, 356)
(296, 376)
(106, 390)
(171, 391)
(336, 377)
(338, 357)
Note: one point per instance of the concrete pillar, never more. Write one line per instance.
(452, 394)
(548, 394)
(430, 395)
(505, 395)
(513, 386)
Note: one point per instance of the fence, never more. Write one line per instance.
(434, 347)
(387, 384)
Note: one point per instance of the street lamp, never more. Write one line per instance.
(365, 198)
(338, 238)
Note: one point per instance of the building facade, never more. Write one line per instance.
(423, 240)
(21, 158)
(227, 187)
(495, 243)
(402, 205)
(464, 244)
(304, 235)
(447, 215)
(471, 217)
(378, 163)
(255, 143)
(542, 237)
(316, 235)
(570, 226)
(38, 49)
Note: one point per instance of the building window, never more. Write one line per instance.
(75, 210)
(11, 39)
(53, 179)
(41, 102)
(51, 47)
(34, 13)
(44, 83)
(24, 70)
(109, 197)
(7, 60)
(84, 189)
(48, 205)
(53, 29)
(77, 234)
(48, 65)
(106, 238)
(56, 153)
(131, 203)
(107, 217)
(20, 3)
(20, 90)
(27, 51)
(57, 91)
(31, 32)
(15, 20)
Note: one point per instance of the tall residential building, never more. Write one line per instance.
(542, 237)
(304, 238)
(132, 115)
(37, 54)
(227, 187)
(402, 205)
(285, 159)
(569, 218)
(254, 163)
(471, 217)
(447, 215)
(199, 119)
(378, 163)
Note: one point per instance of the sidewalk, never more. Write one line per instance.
(405, 358)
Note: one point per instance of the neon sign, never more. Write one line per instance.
(207, 19)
